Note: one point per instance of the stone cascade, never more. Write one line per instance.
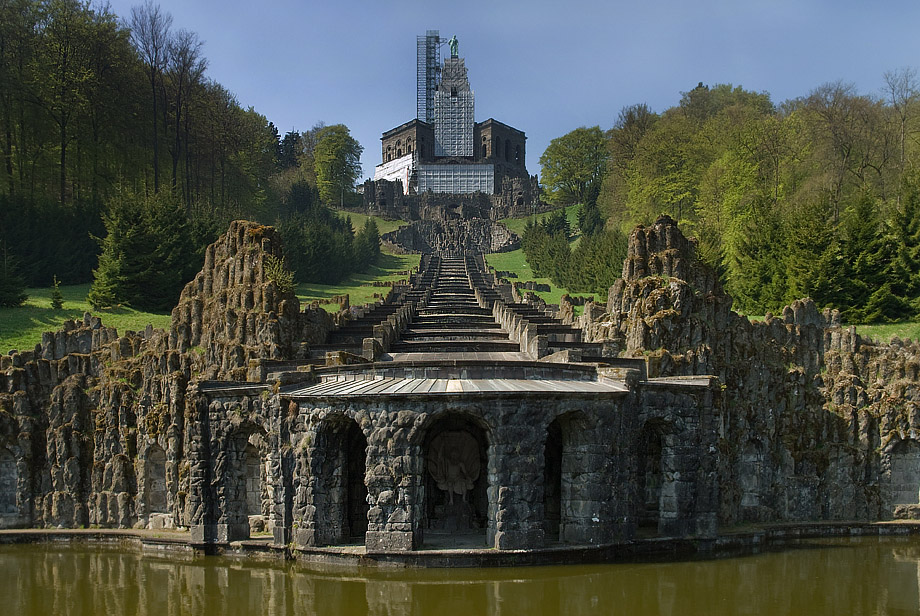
(452, 237)
(452, 321)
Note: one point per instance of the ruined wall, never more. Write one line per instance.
(811, 412)
(89, 416)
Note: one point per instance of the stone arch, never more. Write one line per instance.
(563, 491)
(455, 476)
(507, 150)
(155, 480)
(339, 464)
(650, 475)
(484, 150)
(753, 479)
(904, 472)
(9, 481)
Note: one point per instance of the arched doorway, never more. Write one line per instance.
(455, 479)
(155, 479)
(9, 478)
(340, 493)
(649, 478)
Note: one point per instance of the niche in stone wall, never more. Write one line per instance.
(155, 479)
(752, 480)
(455, 477)
(649, 477)
(9, 478)
(905, 473)
(339, 492)
(552, 482)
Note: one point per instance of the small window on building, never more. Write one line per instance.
(484, 150)
(453, 92)
(517, 154)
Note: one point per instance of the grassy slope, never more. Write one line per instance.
(21, 328)
(515, 261)
(359, 286)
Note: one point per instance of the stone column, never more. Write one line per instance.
(394, 468)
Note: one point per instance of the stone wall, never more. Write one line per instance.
(597, 439)
(86, 411)
(451, 237)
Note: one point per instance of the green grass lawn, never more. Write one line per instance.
(515, 262)
(21, 328)
(884, 332)
(359, 286)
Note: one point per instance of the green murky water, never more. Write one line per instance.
(858, 577)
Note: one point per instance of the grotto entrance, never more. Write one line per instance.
(456, 502)
(340, 494)
(649, 479)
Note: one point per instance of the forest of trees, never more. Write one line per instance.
(817, 196)
(119, 154)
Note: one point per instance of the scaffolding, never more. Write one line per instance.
(428, 56)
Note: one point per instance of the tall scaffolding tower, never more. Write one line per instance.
(428, 68)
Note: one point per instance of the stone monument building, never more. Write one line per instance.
(443, 165)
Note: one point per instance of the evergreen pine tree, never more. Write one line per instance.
(589, 219)
(57, 300)
(12, 286)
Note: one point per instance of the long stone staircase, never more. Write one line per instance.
(452, 321)
(452, 308)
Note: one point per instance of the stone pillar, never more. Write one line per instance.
(515, 488)
(199, 504)
(394, 481)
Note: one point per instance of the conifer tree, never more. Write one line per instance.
(12, 287)
(57, 300)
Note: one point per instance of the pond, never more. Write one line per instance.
(814, 578)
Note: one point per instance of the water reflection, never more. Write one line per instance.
(859, 577)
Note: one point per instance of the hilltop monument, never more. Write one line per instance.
(444, 166)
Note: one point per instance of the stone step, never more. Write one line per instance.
(455, 346)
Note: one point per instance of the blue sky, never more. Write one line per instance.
(543, 67)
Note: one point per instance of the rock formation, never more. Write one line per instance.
(813, 417)
(85, 410)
